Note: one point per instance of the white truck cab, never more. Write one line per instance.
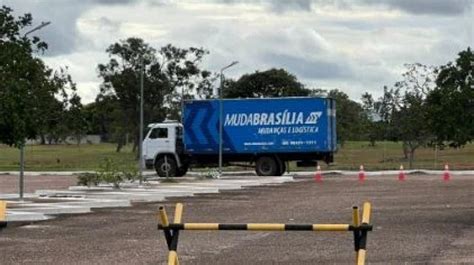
(161, 148)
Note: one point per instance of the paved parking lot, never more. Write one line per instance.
(420, 221)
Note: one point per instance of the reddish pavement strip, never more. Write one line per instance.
(422, 220)
(10, 183)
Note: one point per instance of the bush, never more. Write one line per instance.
(108, 173)
(88, 179)
(209, 174)
(130, 173)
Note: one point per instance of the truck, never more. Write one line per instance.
(264, 133)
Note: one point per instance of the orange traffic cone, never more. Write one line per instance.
(401, 175)
(446, 175)
(318, 176)
(361, 173)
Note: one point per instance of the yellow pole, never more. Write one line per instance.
(178, 213)
(163, 217)
(366, 213)
(365, 220)
(199, 226)
(361, 257)
(356, 223)
(330, 227)
(3, 211)
(172, 257)
(355, 216)
(266, 227)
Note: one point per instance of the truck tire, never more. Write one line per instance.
(181, 171)
(282, 168)
(266, 166)
(166, 166)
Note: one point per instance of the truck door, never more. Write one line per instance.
(159, 140)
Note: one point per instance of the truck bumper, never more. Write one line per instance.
(149, 163)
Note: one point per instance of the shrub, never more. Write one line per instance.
(108, 173)
(130, 173)
(88, 179)
(209, 174)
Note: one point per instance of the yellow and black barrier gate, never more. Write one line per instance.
(358, 227)
(3, 215)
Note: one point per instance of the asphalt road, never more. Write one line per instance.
(420, 221)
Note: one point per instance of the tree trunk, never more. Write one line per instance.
(43, 139)
(119, 144)
(412, 158)
(135, 145)
(372, 143)
(405, 150)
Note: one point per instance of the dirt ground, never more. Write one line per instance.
(422, 220)
(10, 183)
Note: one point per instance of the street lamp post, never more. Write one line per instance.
(140, 143)
(22, 147)
(221, 114)
(40, 26)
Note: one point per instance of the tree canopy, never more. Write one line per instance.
(349, 117)
(451, 103)
(169, 75)
(269, 83)
(28, 88)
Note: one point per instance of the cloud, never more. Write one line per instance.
(355, 46)
(416, 7)
(307, 68)
(431, 7)
(296, 5)
(62, 34)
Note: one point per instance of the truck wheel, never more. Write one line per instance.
(166, 166)
(282, 168)
(181, 171)
(266, 166)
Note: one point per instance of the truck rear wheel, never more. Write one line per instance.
(282, 168)
(266, 166)
(166, 167)
(181, 171)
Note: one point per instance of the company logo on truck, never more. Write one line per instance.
(273, 118)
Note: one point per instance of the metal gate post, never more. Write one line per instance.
(3, 214)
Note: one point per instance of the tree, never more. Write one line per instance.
(269, 83)
(373, 126)
(59, 115)
(349, 117)
(451, 103)
(411, 123)
(75, 118)
(406, 116)
(169, 75)
(23, 83)
(22, 80)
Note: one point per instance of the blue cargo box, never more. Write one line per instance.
(271, 125)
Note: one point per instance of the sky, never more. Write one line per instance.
(354, 46)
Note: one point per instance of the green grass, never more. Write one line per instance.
(63, 157)
(386, 155)
(389, 155)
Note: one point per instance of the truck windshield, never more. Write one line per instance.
(145, 133)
